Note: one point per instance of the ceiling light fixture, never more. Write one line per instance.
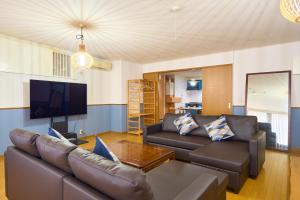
(193, 82)
(81, 59)
(290, 9)
(175, 9)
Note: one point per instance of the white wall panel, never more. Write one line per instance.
(263, 59)
(129, 71)
(14, 88)
(26, 57)
(22, 60)
(110, 87)
(198, 61)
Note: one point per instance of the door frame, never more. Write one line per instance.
(196, 68)
(289, 72)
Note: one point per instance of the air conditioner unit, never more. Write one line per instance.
(102, 64)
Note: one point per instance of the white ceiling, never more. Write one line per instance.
(146, 31)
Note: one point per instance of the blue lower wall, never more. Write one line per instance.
(100, 118)
(295, 123)
(118, 116)
(239, 110)
(295, 128)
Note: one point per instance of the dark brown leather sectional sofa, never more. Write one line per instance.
(46, 168)
(239, 156)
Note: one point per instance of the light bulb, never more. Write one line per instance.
(82, 59)
(193, 83)
(290, 9)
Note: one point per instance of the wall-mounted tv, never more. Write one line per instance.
(53, 99)
(194, 85)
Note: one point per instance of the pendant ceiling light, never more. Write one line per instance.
(290, 9)
(81, 59)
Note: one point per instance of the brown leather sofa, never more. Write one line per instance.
(46, 168)
(239, 156)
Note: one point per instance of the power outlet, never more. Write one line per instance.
(81, 132)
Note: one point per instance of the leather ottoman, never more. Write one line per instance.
(188, 173)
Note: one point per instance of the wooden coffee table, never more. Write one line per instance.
(142, 156)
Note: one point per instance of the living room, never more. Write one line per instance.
(132, 40)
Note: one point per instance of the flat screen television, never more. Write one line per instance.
(194, 85)
(53, 99)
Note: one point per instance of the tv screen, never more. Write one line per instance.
(194, 85)
(53, 99)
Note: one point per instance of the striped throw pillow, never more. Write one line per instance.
(185, 124)
(218, 129)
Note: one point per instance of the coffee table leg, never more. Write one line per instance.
(173, 157)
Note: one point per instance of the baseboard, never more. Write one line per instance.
(105, 132)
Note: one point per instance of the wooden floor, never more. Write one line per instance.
(295, 177)
(271, 184)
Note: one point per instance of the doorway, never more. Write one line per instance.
(182, 92)
(201, 90)
(268, 97)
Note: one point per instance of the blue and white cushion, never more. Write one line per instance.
(55, 133)
(218, 129)
(185, 124)
(102, 150)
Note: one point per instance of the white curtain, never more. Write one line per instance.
(280, 127)
(279, 123)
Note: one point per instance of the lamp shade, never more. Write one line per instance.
(81, 59)
(290, 9)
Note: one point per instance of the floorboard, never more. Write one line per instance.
(271, 184)
(295, 177)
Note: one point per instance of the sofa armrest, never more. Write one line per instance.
(150, 130)
(257, 147)
(205, 187)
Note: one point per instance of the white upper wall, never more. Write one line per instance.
(129, 71)
(110, 87)
(14, 88)
(25, 57)
(263, 59)
(22, 60)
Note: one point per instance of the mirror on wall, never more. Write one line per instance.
(268, 98)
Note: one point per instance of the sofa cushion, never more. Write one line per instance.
(185, 124)
(55, 151)
(175, 140)
(201, 120)
(229, 155)
(25, 141)
(168, 122)
(244, 127)
(218, 130)
(114, 179)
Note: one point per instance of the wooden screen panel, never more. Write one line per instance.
(155, 77)
(161, 96)
(217, 90)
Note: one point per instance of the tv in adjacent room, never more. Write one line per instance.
(194, 85)
(53, 99)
